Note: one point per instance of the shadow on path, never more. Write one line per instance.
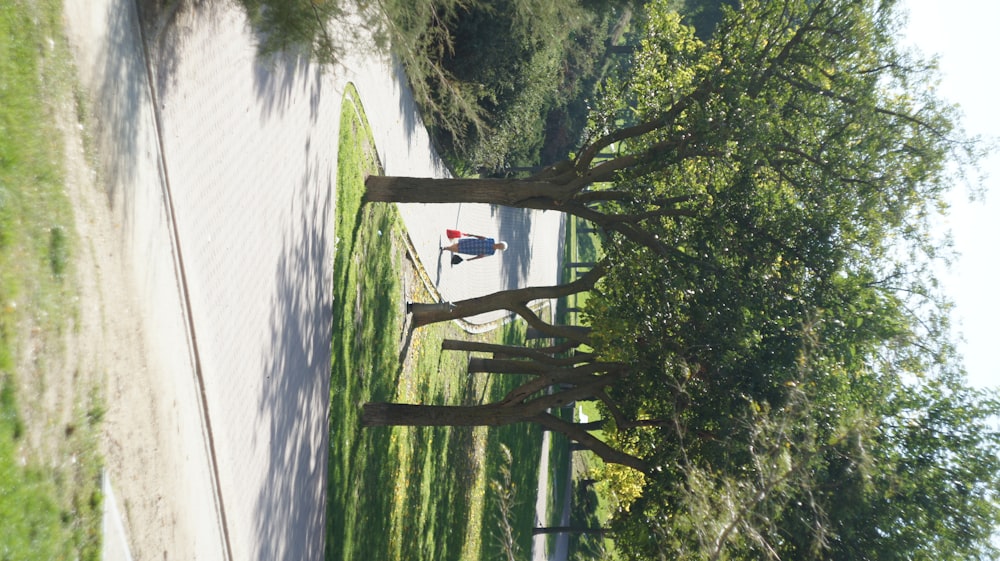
(290, 510)
(121, 101)
(277, 78)
(514, 226)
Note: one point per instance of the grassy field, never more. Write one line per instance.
(49, 495)
(407, 493)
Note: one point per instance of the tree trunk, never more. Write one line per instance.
(515, 300)
(579, 332)
(497, 414)
(506, 191)
(403, 414)
(508, 352)
(497, 366)
(542, 192)
(489, 415)
(534, 334)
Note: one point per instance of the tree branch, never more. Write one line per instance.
(642, 216)
(582, 376)
(587, 155)
(570, 332)
(591, 442)
(508, 300)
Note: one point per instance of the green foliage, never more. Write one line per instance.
(37, 520)
(787, 334)
(504, 54)
(291, 25)
(927, 486)
(34, 212)
(31, 520)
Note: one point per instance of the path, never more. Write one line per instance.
(539, 551)
(220, 174)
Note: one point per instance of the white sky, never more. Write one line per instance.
(964, 35)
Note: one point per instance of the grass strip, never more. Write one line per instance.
(49, 509)
(399, 492)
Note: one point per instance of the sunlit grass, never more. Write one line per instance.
(400, 493)
(48, 510)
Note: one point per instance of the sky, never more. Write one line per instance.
(963, 34)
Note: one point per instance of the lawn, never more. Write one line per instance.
(48, 509)
(407, 493)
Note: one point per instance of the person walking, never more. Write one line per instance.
(479, 246)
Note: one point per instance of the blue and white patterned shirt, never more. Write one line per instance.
(476, 246)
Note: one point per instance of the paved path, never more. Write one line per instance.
(226, 173)
(155, 443)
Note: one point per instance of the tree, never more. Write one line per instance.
(930, 486)
(696, 107)
(810, 481)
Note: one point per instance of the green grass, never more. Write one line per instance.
(366, 323)
(400, 492)
(47, 511)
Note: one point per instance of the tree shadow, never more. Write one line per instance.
(408, 108)
(279, 76)
(121, 99)
(299, 41)
(278, 72)
(514, 226)
(290, 509)
(166, 26)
